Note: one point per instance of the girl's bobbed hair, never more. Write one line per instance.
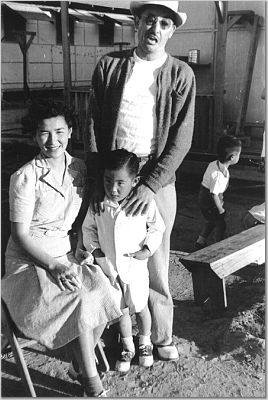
(120, 158)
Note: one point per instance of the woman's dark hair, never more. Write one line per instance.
(43, 109)
(227, 146)
(120, 158)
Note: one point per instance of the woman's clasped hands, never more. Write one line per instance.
(65, 277)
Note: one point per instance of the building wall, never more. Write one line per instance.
(45, 59)
(199, 33)
(238, 40)
(46, 69)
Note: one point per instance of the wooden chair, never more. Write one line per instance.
(13, 335)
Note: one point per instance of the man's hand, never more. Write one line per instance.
(140, 254)
(138, 201)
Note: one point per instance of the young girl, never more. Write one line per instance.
(121, 246)
(50, 297)
(214, 184)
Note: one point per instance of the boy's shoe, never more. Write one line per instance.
(123, 364)
(146, 358)
(199, 246)
(168, 352)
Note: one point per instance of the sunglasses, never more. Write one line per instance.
(165, 23)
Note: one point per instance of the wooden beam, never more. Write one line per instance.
(84, 6)
(246, 84)
(66, 52)
(21, 37)
(219, 76)
(220, 12)
(232, 21)
(107, 19)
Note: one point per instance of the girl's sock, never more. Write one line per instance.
(128, 344)
(145, 340)
(92, 386)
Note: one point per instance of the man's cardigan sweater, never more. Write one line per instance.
(175, 102)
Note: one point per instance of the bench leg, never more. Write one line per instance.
(199, 279)
(217, 292)
(207, 286)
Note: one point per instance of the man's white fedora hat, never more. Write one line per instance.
(172, 5)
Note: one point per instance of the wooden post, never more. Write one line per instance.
(21, 37)
(66, 52)
(244, 93)
(219, 74)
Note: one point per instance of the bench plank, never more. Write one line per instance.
(231, 254)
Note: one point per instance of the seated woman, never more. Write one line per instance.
(50, 297)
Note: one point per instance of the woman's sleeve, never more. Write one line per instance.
(90, 232)
(22, 195)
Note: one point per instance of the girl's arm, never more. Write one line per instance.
(218, 203)
(154, 236)
(64, 277)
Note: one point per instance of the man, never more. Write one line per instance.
(143, 101)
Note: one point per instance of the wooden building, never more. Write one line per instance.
(230, 72)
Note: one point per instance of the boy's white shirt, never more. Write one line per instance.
(117, 234)
(215, 179)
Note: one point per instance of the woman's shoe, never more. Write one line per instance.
(74, 372)
(76, 375)
(102, 394)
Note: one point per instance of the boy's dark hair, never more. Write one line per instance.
(117, 159)
(226, 147)
(43, 109)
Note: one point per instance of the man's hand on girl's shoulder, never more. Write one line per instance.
(96, 200)
(138, 201)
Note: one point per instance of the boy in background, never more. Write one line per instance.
(214, 184)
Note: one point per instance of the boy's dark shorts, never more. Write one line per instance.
(212, 214)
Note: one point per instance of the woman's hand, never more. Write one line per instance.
(138, 201)
(65, 277)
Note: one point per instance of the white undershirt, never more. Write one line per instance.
(137, 117)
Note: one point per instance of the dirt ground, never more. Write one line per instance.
(222, 356)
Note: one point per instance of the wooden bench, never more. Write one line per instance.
(211, 265)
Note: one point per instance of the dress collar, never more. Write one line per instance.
(41, 161)
(49, 178)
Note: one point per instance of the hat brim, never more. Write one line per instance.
(179, 17)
